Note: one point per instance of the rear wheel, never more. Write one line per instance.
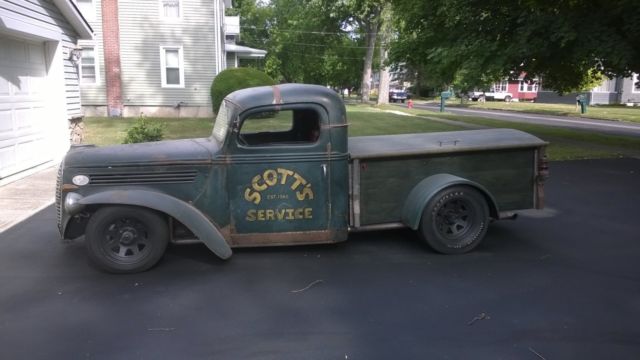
(507, 98)
(126, 239)
(455, 220)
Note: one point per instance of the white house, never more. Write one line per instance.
(156, 57)
(39, 90)
(611, 91)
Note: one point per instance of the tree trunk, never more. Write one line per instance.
(383, 86)
(365, 85)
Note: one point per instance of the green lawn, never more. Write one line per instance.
(108, 131)
(363, 120)
(603, 112)
(369, 120)
(565, 144)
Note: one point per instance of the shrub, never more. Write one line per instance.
(144, 131)
(234, 79)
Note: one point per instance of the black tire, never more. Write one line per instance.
(507, 98)
(126, 239)
(455, 220)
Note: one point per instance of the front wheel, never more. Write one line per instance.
(507, 98)
(455, 220)
(126, 239)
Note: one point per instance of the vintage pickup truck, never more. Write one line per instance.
(279, 169)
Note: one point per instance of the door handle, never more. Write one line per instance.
(324, 170)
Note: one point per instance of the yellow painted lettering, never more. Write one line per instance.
(270, 177)
(280, 214)
(269, 214)
(256, 186)
(284, 173)
(299, 213)
(306, 193)
(308, 213)
(252, 196)
(251, 215)
(290, 215)
(261, 215)
(299, 181)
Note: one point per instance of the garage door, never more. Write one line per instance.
(23, 127)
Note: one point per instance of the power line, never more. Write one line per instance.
(323, 45)
(320, 57)
(312, 32)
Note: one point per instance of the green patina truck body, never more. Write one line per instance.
(279, 169)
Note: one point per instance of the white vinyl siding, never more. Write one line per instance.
(87, 9)
(95, 94)
(172, 66)
(170, 10)
(88, 66)
(607, 86)
(142, 34)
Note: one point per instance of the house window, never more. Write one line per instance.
(528, 86)
(88, 66)
(170, 9)
(635, 87)
(500, 86)
(172, 66)
(86, 9)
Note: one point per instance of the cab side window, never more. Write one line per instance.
(285, 127)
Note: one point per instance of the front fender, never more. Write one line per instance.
(182, 211)
(423, 192)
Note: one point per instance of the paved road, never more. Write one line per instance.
(610, 127)
(563, 285)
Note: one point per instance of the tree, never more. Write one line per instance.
(383, 87)
(364, 15)
(569, 43)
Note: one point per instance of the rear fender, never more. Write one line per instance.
(423, 192)
(182, 211)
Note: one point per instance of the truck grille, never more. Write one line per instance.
(169, 177)
(59, 197)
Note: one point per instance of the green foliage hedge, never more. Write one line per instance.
(144, 131)
(234, 79)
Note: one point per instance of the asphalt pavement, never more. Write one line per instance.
(603, 126)
(563, 283)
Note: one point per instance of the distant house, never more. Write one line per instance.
(629, 91)
(610, 91)
(519, 90)
(39, 92)
(510, 90)
(156, 57)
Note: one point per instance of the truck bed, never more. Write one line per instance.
(388, 146)
(384, 169)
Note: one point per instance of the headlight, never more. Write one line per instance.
(80, 180)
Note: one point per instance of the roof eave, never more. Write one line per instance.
(75, 18)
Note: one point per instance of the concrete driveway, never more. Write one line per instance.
(561, 284)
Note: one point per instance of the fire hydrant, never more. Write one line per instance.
(410, 104)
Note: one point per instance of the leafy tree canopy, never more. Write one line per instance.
(571, 44)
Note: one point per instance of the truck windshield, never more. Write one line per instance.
(221, 126)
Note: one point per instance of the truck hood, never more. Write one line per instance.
(191, 151)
